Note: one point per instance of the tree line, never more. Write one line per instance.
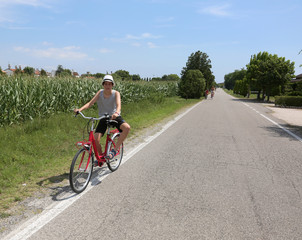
(265, 74)
(119, 74)
(195, 78)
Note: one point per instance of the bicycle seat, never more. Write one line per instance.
(112, 123)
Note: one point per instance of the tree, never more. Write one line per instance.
(29, 71)
(61, 72)
(241, 87)
(136, 77)
(266, 72)
(43, 73)
(99, 75)
(164, 77)
(1, 71)
(18, 70)
(123, 74)
(192, 84)
(231, 78)
(60, 69)
(200, 61)
(172, 77)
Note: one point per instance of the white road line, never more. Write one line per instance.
(36, 223)
(278, 125)
(284, 129)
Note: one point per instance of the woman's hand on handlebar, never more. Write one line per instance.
(114, 115)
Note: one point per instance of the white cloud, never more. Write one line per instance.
(142, 36)
(34, 3)
(216, 10)
(21, 49)
(137, 40)
(68, 48)
(69, 52)
(45, 43)
(105, 50)
(136, 44)
(151, 45)
(9, 8)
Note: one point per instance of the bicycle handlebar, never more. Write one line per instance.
(92, 118)
(96, 119)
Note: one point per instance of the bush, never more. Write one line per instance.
(288, 101)
(295, 93)
(241, 87)
(192, 84)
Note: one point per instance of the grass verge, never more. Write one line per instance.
(38, 153)
(252, 96)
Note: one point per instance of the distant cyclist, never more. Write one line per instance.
(108, 101)
(206, 93)
(212, 91)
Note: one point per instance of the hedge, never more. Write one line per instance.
(288, 101)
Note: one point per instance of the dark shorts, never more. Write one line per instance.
(102, 126)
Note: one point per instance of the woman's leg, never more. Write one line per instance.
(125, 127)
(97, 137)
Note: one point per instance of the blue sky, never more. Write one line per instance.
(147, 37)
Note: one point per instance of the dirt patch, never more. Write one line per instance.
(292, 116)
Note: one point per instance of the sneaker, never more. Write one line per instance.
(112, 154)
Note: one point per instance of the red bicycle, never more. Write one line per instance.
(82, 164)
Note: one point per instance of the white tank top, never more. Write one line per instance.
(106, 105)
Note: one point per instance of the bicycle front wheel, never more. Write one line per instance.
(81, 170)
(114, 163)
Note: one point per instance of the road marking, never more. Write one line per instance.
(278, 125)
(36, 223)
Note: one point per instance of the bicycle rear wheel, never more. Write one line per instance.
(114, 163)
(80, 170)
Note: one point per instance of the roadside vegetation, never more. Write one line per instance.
(269, 77)
(25, 98)
(252, 96)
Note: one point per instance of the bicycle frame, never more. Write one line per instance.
(91, 141)
(101, 157)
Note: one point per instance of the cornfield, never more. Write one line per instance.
(23, 98)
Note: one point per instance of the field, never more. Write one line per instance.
(25, 98)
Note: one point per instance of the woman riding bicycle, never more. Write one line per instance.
(109, 102)
(212, 91)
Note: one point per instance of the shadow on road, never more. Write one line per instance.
(58, 186)
(248, 100)
(278, 132)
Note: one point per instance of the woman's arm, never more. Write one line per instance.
(118, 105)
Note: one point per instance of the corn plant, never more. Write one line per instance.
(23, 98)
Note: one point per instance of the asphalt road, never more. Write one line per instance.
(222, 171)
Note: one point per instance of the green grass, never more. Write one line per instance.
(37, 153)
(252, 96)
